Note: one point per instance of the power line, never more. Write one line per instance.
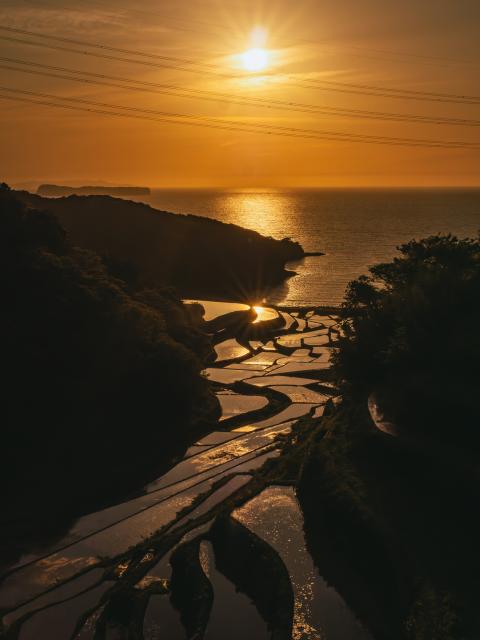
(302, 85)
(174, 63)
(104, 56)
(213, 96)
(260, 127)
(397, 91)
(206, 121)
(415, 57)
(135, 52)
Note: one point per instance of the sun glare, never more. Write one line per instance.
(255, 59)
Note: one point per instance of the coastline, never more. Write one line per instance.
(200, 257)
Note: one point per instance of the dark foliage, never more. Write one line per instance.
(392, 521)
(198, 256)
(97, 377)
(414, 337)
(394, 528)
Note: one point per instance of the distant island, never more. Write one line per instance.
(57, 190)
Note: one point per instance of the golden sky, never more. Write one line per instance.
(335, 72)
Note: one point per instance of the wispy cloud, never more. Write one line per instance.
(54, 20)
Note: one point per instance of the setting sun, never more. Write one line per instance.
(240, 280)
(255, 59)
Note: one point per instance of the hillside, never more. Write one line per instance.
(392, 477)
(198, 256)
(104, 386)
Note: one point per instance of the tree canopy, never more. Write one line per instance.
(96, 371)
(413, 335)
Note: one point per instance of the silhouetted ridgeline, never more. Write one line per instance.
(198, 256)
(103, 384)
(56, 190)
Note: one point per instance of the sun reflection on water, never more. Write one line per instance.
(266, 212)
(264, 313)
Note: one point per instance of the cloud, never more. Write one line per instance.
(58, 20)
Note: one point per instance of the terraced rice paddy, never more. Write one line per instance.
(121, 572)
(319, 611)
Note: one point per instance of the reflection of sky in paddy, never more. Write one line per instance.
(288, 320)
(264, 314)
(295, 367)
(291, 412)
(220, 494)
(61, 618)
(234, 404)
(320, 613)
(35, 579)
(300, 394)
(263, 358)
(265, 381)
(214, 309)
(214, 456)
(68, 590)
(240, 446)
(160, 615)
(226, 376)
(229, 349)
(317, 341)
(232, 610)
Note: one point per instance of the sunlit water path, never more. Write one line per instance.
(354, 228)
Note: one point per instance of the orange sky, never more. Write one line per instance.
(418, 46)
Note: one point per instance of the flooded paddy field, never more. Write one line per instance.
(171, 561)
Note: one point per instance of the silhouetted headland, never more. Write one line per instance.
(57, 190)
(198, 256)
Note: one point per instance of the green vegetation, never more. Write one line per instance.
(102, 379)
(414, 338)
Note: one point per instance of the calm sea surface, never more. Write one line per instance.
(355, 228)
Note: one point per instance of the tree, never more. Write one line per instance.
(413, 336)
(102, 381)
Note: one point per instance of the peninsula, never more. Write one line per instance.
(198, 256)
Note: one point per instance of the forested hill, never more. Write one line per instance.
(104, 386)
(198, 256)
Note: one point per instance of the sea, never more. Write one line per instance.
(354, 228)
